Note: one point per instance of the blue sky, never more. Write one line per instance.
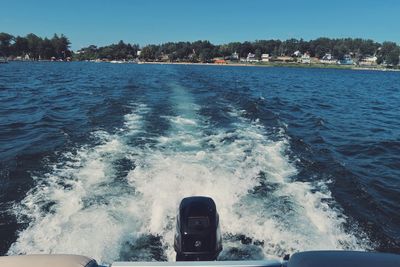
(103, 22)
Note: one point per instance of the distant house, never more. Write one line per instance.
(305, 59)
(327, 56)
(234, 57)
(138, 53)
(265, 57)
(284, 59)
(368, 61)
(328, 59)
(347, 60)
(164, 58)
(297, 53)
(220, 61)
(251, 58)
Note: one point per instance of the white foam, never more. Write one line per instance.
(133, 120)
(94, 215)
(181, 120)
(227, 173)
(90, 215)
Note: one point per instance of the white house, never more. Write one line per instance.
(265, 57)
(251, 58)
(328, 59)
(235, 56)
(297, 53)
(368, 61)
(305, 59)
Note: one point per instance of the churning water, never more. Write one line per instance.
(95, 158)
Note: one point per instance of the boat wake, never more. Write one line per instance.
(117, 198)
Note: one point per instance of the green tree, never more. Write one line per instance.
(149, 52)
(258, 53)
(34, 45)
(389, 53)
(47, 50)
(290, 46)
(340, 50)
(205, 55)
(20, 46)
(245, 49)
(61, 46)
(319, 47)
(5, 43)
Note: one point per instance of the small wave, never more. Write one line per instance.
(182, 121)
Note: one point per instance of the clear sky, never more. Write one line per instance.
(102, 22)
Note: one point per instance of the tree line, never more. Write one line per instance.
(34, 47)
(205, 51)
(199, 51)
(118, 51)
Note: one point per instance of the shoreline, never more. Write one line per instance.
(262, 65)
(271, 65)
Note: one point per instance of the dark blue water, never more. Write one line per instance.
(96, 157)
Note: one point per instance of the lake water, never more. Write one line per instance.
(95, 158)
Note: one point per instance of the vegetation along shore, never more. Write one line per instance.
(354, 53)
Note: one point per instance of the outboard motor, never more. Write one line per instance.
(198, 236)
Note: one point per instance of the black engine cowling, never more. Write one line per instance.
(198, 236)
